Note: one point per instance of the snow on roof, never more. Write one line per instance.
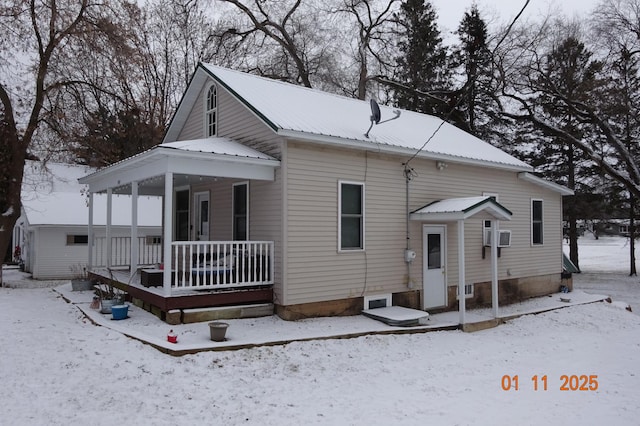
(462, 208)
(51, 195)
(291, 109)
(453, 205)
(224, 146)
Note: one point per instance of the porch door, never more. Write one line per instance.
(201, 220)
(434, 283)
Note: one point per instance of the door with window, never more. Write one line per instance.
(201, 220)
(434, 283)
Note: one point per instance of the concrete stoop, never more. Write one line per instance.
(482, 325)
(187, 316)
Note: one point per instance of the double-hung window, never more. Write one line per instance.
(241, 211)
(536, 222)
(351, 212)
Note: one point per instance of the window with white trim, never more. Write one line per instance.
(211, 112)
(536, 222)
(241, 211)
(351, 216)
(468, 291)
(486, 224)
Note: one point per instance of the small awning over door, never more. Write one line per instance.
(454, 209)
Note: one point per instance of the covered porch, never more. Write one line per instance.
(184, 267)
(458, 211)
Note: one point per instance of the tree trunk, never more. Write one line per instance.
(632, 236)
(571, 209)
(12, 158)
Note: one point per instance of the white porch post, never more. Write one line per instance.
(108, 229)
(90, 233)
(461, 279)
(494, 267)
(134, 229)
(168, 232)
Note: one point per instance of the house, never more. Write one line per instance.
(52, 231)
(275, 193)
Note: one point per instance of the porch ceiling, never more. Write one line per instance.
(453, 209)
(189, 161)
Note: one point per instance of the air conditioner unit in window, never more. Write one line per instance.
(504, 238)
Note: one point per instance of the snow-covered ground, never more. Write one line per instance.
(58, 368)
(605, 269)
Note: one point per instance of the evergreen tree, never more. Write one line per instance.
(472, 58)
(111, 137)
(569, 72)
(623, 108)
(422, 68)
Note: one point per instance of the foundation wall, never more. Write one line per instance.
(509, 291)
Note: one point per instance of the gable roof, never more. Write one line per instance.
(461, 209)
(51, 195)
(315, 116)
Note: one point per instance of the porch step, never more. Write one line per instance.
(227, 312)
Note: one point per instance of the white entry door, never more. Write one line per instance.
(434, 283)
(201, 201)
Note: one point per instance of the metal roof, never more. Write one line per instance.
(462, 208)
(299, 112)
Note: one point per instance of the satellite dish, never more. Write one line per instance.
(375, 115)
(375, 111)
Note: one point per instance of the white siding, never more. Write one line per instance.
(235, 121)
(317, 272)
(53, 257)
(265, 212)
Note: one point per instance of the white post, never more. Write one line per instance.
(461, 281)
(168, 232)
(91, 236)
(108, 229)
(134, 229)
(494, 266)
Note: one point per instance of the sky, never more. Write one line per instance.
(450, 11)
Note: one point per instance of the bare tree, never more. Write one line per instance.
(35, 35)
(286, 36)
(372, 51)
(523, 72)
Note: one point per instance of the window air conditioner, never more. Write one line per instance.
(504, 238)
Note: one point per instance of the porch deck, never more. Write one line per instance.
(154, 300)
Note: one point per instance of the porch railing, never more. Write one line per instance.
(149, 251)
(219, 264)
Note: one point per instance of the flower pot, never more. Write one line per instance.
(218, 330)
(119, 312)
(106, 305)
(79, 284)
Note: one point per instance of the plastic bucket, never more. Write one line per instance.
(106, 305)
(217, 330)
(119, 312)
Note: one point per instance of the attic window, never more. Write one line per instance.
(211, 112)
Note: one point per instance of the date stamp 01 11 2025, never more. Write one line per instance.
(573, 382)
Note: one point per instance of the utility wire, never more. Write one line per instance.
(448, 116)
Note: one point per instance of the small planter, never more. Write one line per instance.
(106, 305)
(81, 284)
(218, 330)
(119, 312)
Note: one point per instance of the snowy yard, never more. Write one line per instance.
(58, 368)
